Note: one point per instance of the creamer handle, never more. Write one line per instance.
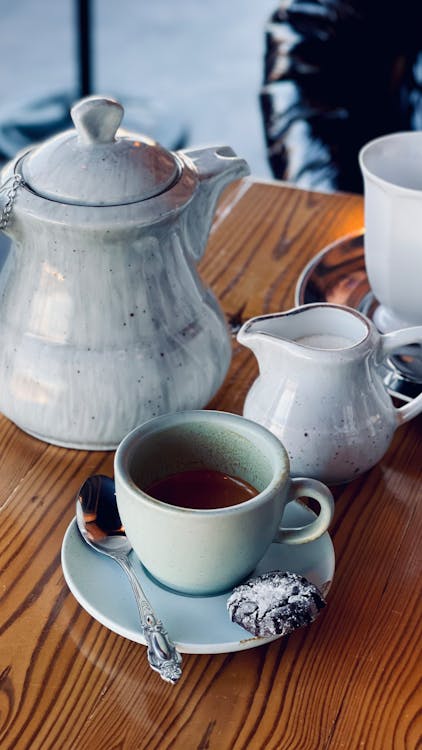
(390, 343)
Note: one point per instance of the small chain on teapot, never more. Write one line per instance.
(16, 181)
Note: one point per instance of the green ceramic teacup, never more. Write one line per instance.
(209, 551)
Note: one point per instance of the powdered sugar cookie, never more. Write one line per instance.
(275, 603)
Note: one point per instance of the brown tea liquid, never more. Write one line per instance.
(202, 489)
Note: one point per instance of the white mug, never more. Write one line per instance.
(199, 551)
(392, 170)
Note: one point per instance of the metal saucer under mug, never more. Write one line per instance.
(337, 274)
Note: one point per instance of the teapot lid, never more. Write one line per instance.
(95, 165)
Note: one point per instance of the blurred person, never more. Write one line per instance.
(337, 74)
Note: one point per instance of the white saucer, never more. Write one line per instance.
(197, 625)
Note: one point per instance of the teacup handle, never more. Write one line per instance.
(319, 492)
(390, 342)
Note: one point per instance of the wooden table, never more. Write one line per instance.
(348, 681)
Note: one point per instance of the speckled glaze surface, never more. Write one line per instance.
(104, 320)
(328, 406)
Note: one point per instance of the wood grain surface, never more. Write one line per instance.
(351, 680)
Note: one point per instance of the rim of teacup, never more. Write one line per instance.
(382, 181)
(280, 461)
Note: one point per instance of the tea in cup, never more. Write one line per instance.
(391, 168)
(201, 495)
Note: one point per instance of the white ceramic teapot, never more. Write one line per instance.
(319, 389)
(104, 321)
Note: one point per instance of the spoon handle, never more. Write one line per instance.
(161, 652)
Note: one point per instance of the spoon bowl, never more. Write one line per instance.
(99, 523)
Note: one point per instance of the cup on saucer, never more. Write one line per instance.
(201, 495)
(391, 169)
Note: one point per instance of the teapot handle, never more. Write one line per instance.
(390, 342)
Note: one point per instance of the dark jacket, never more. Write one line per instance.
(337, 74)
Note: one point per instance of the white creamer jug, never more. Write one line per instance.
(319, 389)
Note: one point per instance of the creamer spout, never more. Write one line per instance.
(263, 336)
(262, 329)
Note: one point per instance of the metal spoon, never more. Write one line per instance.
(99, 523)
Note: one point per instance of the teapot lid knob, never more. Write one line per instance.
(98, 164)
(97, 119)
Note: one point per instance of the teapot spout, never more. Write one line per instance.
(218, 163)
(216, 168)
